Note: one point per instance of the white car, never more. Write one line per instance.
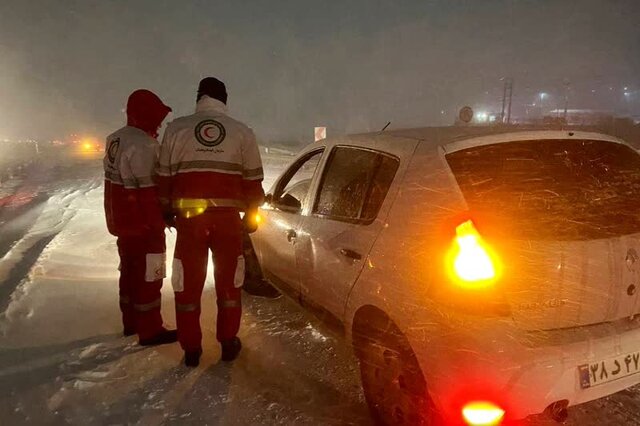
(482, 274)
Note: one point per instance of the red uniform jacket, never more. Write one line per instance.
(131, 200)
(210, 156)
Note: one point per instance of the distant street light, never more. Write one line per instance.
(482, 116)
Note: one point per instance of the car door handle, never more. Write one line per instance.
(291, 236)
(351, 254)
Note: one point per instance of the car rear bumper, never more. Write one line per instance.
(497, 364)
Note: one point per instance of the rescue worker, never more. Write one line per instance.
(209, 171)
(133, 215)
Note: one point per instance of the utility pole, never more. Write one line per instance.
(510, 89)
(504, 100)
(507, 98)
(566, 99)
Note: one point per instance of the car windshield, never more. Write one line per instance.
(553, 189)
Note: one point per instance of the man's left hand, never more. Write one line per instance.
(251, 220)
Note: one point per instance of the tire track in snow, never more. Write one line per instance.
(15, 222)
(21, 269)
(16, 265)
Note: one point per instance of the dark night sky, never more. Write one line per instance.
(68, 66)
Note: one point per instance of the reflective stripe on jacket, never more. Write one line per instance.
(209, 155)
(130, 194)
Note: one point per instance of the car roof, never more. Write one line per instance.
(433, 137)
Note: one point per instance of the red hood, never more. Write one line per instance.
(146, 111)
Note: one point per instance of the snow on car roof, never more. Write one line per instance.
(438, 136)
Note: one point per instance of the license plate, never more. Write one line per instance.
(601, 372)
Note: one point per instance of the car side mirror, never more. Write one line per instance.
(289, 203)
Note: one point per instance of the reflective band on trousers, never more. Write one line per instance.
(205, 203)
(228, 303)
(147, 306)
(186, 307)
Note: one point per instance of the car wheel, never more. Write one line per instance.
(393, 384)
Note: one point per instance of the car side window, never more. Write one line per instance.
(382, 179)
(355, 184)
(292, 190)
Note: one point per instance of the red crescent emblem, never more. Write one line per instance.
(210, 133)
(206, 132)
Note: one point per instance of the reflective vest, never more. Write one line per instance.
(130, 193)
(209, 160)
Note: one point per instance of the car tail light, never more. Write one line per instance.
(471, 262)
(482, 413)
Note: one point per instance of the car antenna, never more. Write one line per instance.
(385, 127)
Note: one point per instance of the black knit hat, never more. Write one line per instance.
(213, 88)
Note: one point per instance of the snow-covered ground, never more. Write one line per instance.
(63, 361)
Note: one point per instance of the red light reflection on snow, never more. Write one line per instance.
(18, 199)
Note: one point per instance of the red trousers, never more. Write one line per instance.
(220, 231)
(141, 273)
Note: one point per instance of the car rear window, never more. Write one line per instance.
(553, 189)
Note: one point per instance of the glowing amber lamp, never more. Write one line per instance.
(190, 207)
(257, 218)
(482, 413)
(471, 262)
(87, 144)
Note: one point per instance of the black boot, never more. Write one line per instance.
(128, 332)
(192, 358)
(162, 338)
(230, 349)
